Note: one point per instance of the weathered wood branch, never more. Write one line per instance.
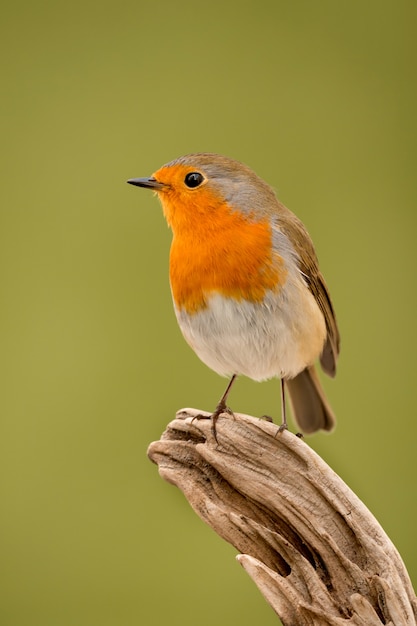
(314, 550)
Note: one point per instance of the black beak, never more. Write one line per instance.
(148, 183)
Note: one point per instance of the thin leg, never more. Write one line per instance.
(222, 402)
(220, 408)
(284, 425)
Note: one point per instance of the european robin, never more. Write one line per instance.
(246, 286)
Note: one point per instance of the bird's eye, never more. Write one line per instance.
(193, 179)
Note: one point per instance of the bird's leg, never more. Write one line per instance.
(220, 408)
(284, 425)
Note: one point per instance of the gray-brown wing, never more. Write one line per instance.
(298, 235)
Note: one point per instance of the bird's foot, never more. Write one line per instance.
(220, 408)
(284, 426)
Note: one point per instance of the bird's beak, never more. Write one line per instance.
(148, 183)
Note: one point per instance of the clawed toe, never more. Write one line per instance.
(220, 409)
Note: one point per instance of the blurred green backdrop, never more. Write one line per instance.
(320, 99)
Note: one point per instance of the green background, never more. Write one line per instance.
(320, 99)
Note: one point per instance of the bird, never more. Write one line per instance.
(246, 286)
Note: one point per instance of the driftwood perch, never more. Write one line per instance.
(314, 550)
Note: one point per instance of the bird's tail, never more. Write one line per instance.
(310, 408)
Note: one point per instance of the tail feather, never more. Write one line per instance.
(310, 408)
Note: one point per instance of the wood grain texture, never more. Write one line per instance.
(314, 550)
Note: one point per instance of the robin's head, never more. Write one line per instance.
(192, 187)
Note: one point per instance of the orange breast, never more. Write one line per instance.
(221, 251)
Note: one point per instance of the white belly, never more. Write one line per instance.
(278, 337)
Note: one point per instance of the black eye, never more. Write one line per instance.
(193, 179)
